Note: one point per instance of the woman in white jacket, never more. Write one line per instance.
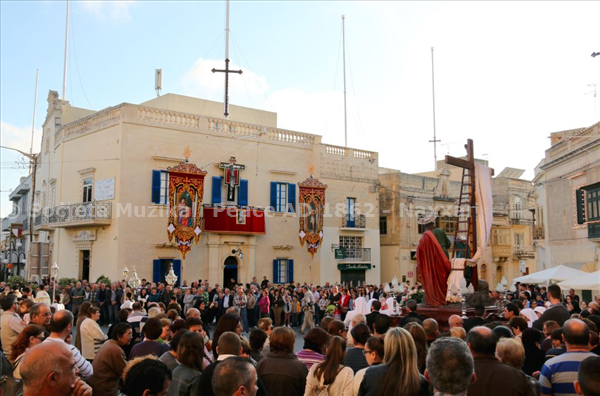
(92, 335)
(330, 378)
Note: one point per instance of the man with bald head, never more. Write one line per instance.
(455, 321)
(193, 313)
(432, 330)
(61, 326)
(559, 373)
(493, 377)
(51, 377)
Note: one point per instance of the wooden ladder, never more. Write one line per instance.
(463, 228)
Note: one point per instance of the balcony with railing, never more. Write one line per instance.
(75, 215)
(523, 252)
(359, 255)
(354, 222)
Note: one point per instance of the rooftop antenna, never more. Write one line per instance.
(158, 81)
(37, 75)
(344, 53)
(435, 140)
(64, 90)
(226, 70)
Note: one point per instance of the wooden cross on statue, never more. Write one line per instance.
(232, 176)
(468, 180)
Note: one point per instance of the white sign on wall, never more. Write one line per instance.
(105, 189)
(523, 265)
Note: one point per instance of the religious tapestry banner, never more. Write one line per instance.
(186, 190)
(311, 203)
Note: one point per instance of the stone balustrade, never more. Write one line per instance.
(336, 150)
(166, 117)
(100, 120)
(278, 135)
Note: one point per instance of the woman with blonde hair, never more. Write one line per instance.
(331, 376)
(398, 375)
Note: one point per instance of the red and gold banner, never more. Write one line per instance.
(312, 203)
(186, 190)
(232, 220)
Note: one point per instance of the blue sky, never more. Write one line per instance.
(507, 73)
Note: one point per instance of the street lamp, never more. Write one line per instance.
(54, 274)
(125, 272)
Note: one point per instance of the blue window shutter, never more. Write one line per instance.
(275, 271)
(290, 270)
(156, 186)
(177, 270)
(156, 272)
(216, 190)
(243, 193)
(291, 197)
(274, 195)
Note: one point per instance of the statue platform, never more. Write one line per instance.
(442, 313)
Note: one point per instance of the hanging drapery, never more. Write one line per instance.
(312, 203)
(186, 191)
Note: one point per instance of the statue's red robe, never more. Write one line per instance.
(434, 268)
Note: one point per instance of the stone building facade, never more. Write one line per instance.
(567, 198)
(106, 172)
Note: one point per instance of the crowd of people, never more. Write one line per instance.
(203, 339)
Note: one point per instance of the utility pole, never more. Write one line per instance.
(33, 158)
(435, 141)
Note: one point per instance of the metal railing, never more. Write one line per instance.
(354, 221)
(356, 255)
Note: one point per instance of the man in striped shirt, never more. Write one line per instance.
(558, 374)
(61, 326)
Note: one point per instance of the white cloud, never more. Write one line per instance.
(20, 137)
(116, 10)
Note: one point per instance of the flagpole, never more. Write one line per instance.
(64, 88)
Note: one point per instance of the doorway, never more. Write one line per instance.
(353, 277)
(84, 264)
(230, 271)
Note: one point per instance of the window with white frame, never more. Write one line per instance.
(283, 270)
(517, 208)
(519, 241)
(88, 186)
(164, 187)
(281, 197)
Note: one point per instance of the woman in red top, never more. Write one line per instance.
(344, 303)
(264, 304)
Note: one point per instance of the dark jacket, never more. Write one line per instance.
(558, 313)
(282, 374)
(474, 322)
(498, 379)
(373, 377)
(204, 385)
(371, 319)
(410, 317)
